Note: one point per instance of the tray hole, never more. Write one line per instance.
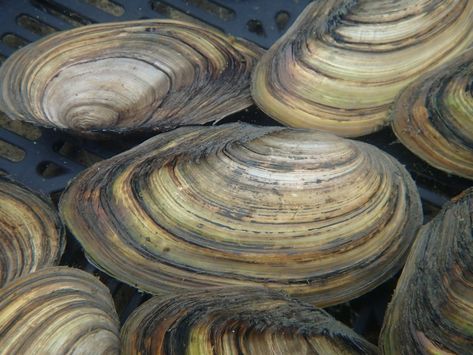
(48, 169)
(14, 41)
(34, 25)
(220, 11)
(11, 152)
(256, 27)
(171, 12)
(61, 12)
(107, 6)
(282, 19)
(76, 153)
(22, 129)
(2, 58)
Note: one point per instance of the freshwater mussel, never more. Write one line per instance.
(31, 233)
(128, 76)
(320, 217)
(342, 63)
(432, 308)
(236, 321)
(433, 117)
(58, 310)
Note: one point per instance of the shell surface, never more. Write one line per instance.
(433, 117)
(31, 233)
(128, 76)
(58, 310)
(319, 216)
(432, 307)
(342, 63)
(236, 321)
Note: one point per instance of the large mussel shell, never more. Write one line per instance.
(432, 308)
(31, 233)
(128, 76)
(58, 310)
(433, 117)
(342, 63)
(319, 216)
(236, 321)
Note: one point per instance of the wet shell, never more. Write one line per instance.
(236, 321)
(31, 233)
(321, 217)
(58, 310)
(342, 63)
(433, 117)
(128, 76)
(432, 308)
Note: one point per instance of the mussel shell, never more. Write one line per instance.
(31, 233)
(342, 63)
(236, 321)
(432, 308)
(58, 310)
(128, 76)
(319, 216)
(433, 117)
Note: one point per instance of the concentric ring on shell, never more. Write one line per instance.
(31, 233)
(128, 76)
(432, 306)
(318, 216)
(236, 320)
(433, 116)
(58, 310)
(343, 62)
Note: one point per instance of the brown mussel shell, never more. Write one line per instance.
(433, 117)
(128, 76)
(31, 233)
(432, 308)
(236, 321)
(58, 310)
(318, 216)
(343, 62)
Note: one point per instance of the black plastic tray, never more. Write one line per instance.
(48, 159)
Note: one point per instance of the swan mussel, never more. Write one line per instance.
(318, 216)
(31, 233)
(433, 117)
(343, 62)
(128, 76)
(236, 321)
(432, 308)
(58, 310)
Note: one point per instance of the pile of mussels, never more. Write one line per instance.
(243, 232)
